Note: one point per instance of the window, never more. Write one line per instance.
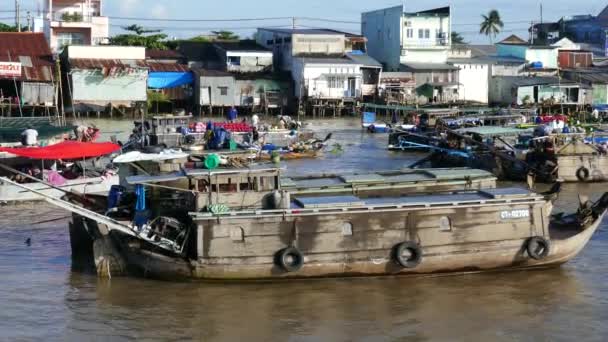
(409, 33)
(70, 38)
(287, 40)
(420, 33)
(234, 60)
(407, 23)
(427, 34)
(335, 83)
(223, 91)
(270, 42)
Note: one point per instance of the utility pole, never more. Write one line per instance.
(293, 23)
(18, 15)
(532, 32)
(541, 12)
(29, 22)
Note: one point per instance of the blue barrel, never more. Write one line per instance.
(116, 192)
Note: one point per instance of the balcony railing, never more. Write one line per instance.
(427, 43)
(73, 17)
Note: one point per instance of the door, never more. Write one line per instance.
(205, 96)
(352, 87)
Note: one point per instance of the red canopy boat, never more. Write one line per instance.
(64, 150)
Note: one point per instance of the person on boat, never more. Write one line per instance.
(282, 124)
(232, 114)
(29, 137)
(80, 132)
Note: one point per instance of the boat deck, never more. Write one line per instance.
(406, 176)
(482, 196)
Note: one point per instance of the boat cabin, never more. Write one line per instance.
(231, 188)
(167, 129)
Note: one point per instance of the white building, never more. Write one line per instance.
(396, 37)
(327, 78)
(72, 22)
(244, 56)
(478, 65)
(324, 64)
(416, 42)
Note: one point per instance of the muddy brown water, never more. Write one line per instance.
(43, 298)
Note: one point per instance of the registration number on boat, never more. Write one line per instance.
(514, 214)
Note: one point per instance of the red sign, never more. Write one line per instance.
(10, 69)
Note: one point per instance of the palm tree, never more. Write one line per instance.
(491, 24)
(457, 38)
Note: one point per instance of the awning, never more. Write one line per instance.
(136, 156)
(165, 80)
(64, 150)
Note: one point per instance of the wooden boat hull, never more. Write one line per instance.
(571, 168)
(98, 185)
(243, 249)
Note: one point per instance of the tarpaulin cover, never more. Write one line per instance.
(165, 80)
(64, 150)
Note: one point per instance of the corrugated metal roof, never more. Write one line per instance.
(428, 66)
(165, 67)
(364, 59)
(323, 60)
(488, 60)
(241, 45)
(523, 81)
(90, 63)
(163, 54)
(32, 50)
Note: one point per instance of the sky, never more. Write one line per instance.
(466, 14)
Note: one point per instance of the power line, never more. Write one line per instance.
(199, 20)
(199, 28)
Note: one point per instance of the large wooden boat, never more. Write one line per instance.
(341, 236)
(242, 225)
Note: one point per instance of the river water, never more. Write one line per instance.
(43, 298)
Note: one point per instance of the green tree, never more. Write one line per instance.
(139, 36)
(11, 28)
(457, 38)
(226, 35)
(491, 25)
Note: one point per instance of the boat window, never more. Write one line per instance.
(267, 183)
(203, 185)
(250, 185)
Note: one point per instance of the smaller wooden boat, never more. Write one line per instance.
(47, 182)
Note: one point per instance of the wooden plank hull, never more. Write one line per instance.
(569, 166)
(477, 239)
(93, 186)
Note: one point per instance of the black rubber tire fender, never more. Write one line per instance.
(407, 254)
(583, 174)
(538, 247)
(290, 259)
(371, 129)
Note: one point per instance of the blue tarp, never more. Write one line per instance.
(164, 80)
